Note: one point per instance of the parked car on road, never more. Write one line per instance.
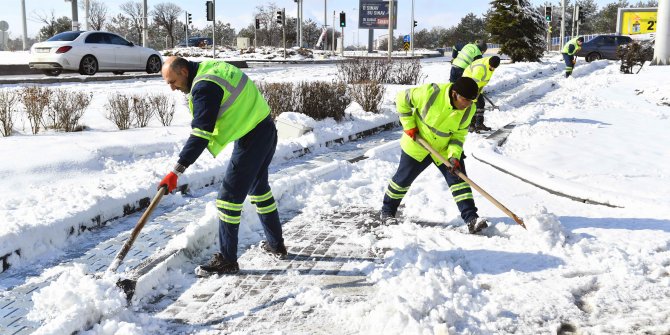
(195, 42)
(89, 52)
(602, 47)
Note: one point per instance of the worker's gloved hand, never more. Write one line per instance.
(170, 181)
(455, 165)
(412, 132)
(574, 61)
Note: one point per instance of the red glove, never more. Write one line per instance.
(170, 181)
(455, 165)
(412, 132)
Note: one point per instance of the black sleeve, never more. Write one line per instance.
(476, 58)
(571, 48)
(206, 102)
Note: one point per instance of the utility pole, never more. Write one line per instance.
(186, 27)
(390, 39)
(25, 26)
(560, 44)
(574, 18)
(325, 23)
(145, 25)
(411, 38)
(333, 42)
(87, 13)
(214, 29)
(75, 15)
(300, 22)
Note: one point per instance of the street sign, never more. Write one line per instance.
(374, 14)
(4, 25)
(406, 38)
(405, 46)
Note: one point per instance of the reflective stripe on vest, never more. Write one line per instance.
(234, 91)
(483, 79)
(422, 115)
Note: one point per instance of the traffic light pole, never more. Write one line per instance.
(411, 39)
(213, 28)
(560, 44)
(186, 27)
(342, 48)
(283, 28)
(390, 38)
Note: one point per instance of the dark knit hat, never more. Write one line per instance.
(494, 61)
(580, 39)
(466, 87)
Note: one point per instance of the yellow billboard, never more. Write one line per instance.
(633, 23)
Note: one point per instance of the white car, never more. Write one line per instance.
(88, 52)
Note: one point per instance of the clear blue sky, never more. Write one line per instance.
(428, 13)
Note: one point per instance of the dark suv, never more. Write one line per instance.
(195, 42)
(602, 47)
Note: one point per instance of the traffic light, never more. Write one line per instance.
(547, 13)
(343, 19)
(280, 16)
(580, 15)
(415, 23)
(210, 10)
(258, 23)
(189, 18)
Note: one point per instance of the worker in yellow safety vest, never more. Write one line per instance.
(227, 107)
(481, 71)
(569, 51)
(440, 114)
(465, 56)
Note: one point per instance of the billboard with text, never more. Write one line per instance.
(374, 14)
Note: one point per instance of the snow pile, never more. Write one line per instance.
(75, 301)
(544, 230)
(421, 290)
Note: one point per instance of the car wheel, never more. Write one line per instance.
(53, 73)
(88, 65)
(117, 72)
(153, 64)
(593, 56)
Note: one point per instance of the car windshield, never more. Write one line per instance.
(66, 36)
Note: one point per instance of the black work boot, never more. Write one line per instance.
(387, 218)
(217, 265)
(479, 121)
(476, 225)
(278, 253)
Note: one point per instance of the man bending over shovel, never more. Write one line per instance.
(227, 107)
(440, 114)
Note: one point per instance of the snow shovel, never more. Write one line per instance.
(127, 285)
(490, 102)
(470, 182)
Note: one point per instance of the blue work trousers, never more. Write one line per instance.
(568, 64)
(409, 169)
(456, 72)
(247, 174)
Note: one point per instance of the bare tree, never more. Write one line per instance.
(97, 13)
(52, 25)
(134, 11)
(165, 14)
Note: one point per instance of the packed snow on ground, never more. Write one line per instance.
(598, 135)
